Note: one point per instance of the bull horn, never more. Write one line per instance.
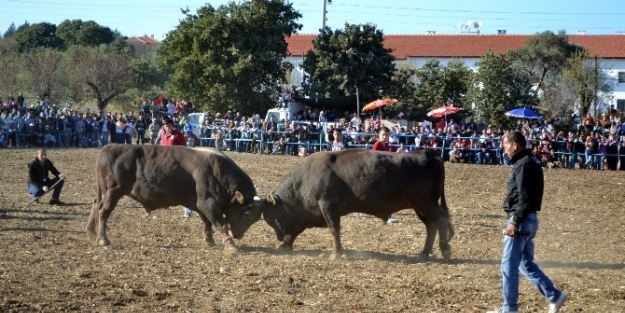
(239, 197)
(271, 199)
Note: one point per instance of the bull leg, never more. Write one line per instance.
(93, 219)
(334, 225)
(109, 201)
(211, 210)
(431, 229)
(288, 240)
(444, 227)
(208, 231)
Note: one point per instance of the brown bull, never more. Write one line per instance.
(204, 180)
(328, 185)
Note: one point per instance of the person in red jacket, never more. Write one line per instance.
(383, 145)
(172, 136)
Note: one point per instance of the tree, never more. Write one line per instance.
(544, 54)
(231, 57)
(456, 81)
(42, 68)
(402, 88)
(88, 33)
(106, 71)
(37, 35)
(430, 89)
(499, 87)
(10, 31)
(148, 76)
(9, 67)
(344, 60)
(588, 81)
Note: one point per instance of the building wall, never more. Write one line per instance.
(611, 68)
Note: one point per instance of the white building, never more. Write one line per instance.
(415, 50)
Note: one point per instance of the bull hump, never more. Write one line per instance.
(208, 150)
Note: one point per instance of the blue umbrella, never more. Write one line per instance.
(524, 113)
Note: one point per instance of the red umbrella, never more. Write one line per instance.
(443, 111)
(378, 104)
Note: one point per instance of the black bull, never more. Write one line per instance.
(328, 185)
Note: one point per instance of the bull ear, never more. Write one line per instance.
(271, 199)
(239, 197)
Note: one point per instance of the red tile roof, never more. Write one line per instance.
(470, 46)
(143, 39)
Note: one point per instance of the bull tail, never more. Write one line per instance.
(446, 210)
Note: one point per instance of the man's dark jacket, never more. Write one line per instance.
(37, 172)
(525, 186)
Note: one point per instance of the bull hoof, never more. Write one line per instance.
(230, 247)
(210, 241)
(92, 235)
(422, 257)
(447, 254)
(285, 247)
(104, 242)
(335, 256)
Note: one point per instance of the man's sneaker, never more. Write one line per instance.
(392, 220)
(555, 306)
(187, 213)
(502, 310)
(56, 202)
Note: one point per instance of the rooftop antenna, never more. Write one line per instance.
(470, 27)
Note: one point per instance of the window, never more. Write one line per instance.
(621, 77)
(620, 104)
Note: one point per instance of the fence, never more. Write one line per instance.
(314, 141)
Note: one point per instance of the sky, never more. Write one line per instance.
(158, 17)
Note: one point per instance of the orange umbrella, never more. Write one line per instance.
(378, 104)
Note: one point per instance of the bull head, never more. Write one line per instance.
(240, 219)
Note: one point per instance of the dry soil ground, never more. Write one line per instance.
(160, 263)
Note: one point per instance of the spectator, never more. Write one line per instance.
(337, 143)
(383, 145)
(38, 180)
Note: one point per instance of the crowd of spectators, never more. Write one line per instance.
(589, 144)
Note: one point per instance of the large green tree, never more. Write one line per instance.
(544, 56)
(231, 57)
(37, 35)
(456, 78)
(402, 88)
(87, 33)
(499, 87)
(439, 84)
(343, 60)
(430, 89)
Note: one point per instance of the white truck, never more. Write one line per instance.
(285, 114)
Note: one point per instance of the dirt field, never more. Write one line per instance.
(160, 263)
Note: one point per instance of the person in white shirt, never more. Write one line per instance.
(337, 143)
(402, 147)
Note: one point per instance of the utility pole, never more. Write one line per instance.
(323, 23)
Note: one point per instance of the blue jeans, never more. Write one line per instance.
(518, 256)
(506, 159)
(36, 191)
